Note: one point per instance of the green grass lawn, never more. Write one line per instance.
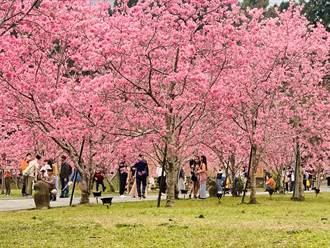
(278, 222)
(15, 193)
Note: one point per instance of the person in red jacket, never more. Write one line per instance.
(99, 179)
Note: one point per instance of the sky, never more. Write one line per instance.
(271, 2)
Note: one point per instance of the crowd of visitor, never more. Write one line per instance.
(134, 179)
(32, 169)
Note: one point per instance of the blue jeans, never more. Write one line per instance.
(202, 190)
(64, 188)
(100, 183)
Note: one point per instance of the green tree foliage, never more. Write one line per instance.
(318, 11)
(131, 3)
(255, 4)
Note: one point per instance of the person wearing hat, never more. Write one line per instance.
(65, 173)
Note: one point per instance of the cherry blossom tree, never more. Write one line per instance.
(271, 55)
(165, 78)
(165, 57)
(47, 72)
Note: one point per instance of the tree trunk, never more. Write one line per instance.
(253, 181)
(170, 178)
(298, 192)
(232, 163)
(253, 195)
(84, 186)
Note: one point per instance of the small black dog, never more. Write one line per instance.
(317, 191)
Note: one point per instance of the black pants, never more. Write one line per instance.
(292, 186)
(162, 184)
(100, 183)
(122, 183)
(140, 180)
(64, 189)
(7, 185)
(24, 183)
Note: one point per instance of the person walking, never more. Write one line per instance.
(31, 172)
(123, 176)
(142, 172)
(7, 177)
(202, 173)
(65, 173)
(23, 165)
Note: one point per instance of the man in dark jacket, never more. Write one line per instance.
(65, 173)
(142, 172)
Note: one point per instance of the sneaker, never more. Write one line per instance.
(122, 196)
